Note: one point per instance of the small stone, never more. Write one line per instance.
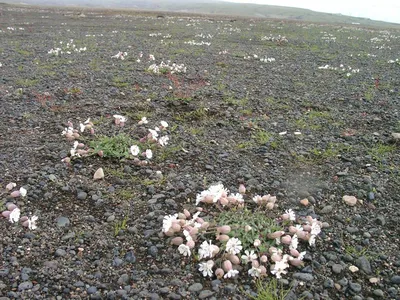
(27, 285)
(303, 276)
(353, 269)
(363, 263)
(99, 174)
(356, 287)
(350, 200)
(395, 279)
(92, 290)
(205, 294)
(326, 210)
(396, 136)
(328, 283)
(304, 202)
(378, 293)
(62, 221)
(82, 195)
(60, 252)
(337, 268)
(374, 280)
(153, 251)
(130, 257)
(195, 287)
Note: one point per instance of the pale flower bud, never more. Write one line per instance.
(199, 208)
(224, 229)
(15, 194)
(100, 153)
(276, 257)
(190, 244)
(215, 250)
(302, 234)
(276, 234)
(187, 213)
(272, 250)
(224, 201)
(234, 259)
(306, 227)
(219, 273)
(263, 271)
(296, 262)
(285, 217)
(242, 189)
(205, 225)
(194, 231)
(170, 232)
(286, 239)
(208, 199)
(264, 259)
(255, 263)
(292, 229)
(257, 243)
(222, 237)
(176, 227)
(200, 220)
(227, 265)
(270, 206)
(247, 228)
(181, 216)
(294, 252)
(177, 241)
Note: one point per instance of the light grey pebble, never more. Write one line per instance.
(153, 251)
(303, 276)
(326, 210)
(378, 293)
(363, 263)
(26, 285)
(117, 262)
(82, 195)
(92, 290)
(395, 279)
(111, 218)
(337, 268)
(356, 287)
(204, 294)
(195, 287)
(62, 221)
(60, 253)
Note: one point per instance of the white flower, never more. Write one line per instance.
(14, 215)
(233, 246)
(82, 127)
(121, 118)
(32, 222)
(206, 268)
(206, 249)
(311, 241)
(292, 215)
(255, 272)
(215, 191)
(238, 197)
(22, 191)
(294, 242)
(143, 121)
(167, 222)
(149, 153)
(315, 228)
(87, 121)
(154, 134)
(249, 256)
(187, 235)
(163, 140)
(184, 250)
(301, 256)
(135, 150)
(257, 198)
(280, 268)
(164, 124)
(231, 274)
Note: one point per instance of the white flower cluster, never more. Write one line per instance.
(174, 68)
(267, 59)
(391, 61)
(228, 248)
(349, 69)
(194, 43)
(68, 48)
(120, 55)
(278, 39)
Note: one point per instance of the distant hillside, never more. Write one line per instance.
(215, 7)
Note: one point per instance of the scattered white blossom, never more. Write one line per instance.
(231, 273)
(206, 268)
(184, 250)
(14, 215)
(233, 246)
(135, 150)
(167, 222)
(249, 256)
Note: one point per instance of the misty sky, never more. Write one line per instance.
(383, 10)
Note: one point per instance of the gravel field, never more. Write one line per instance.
(306, 112)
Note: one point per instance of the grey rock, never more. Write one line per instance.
(364, 265)
(117, 262)
(328, 283)
(378, 293)
(174, 296)
(81, 195)
(130, 257)
(337, 268)
(356, 287)
(62, 221)
(153, 251)
(303, 276)
(92, 290)
(27, 285)
(195, 287)
(326, 210)
(395, 279)
(204, 294)
(123, 279)
(60, 253)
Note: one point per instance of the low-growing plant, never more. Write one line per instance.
(120, 225)
(228, 225)
(269, 290)
(113, 147)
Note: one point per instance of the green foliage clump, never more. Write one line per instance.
(113, 147)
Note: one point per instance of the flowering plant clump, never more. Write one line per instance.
(167, 67)
(13, 213)
(68, 48)
(118, 146)
(238, 238)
